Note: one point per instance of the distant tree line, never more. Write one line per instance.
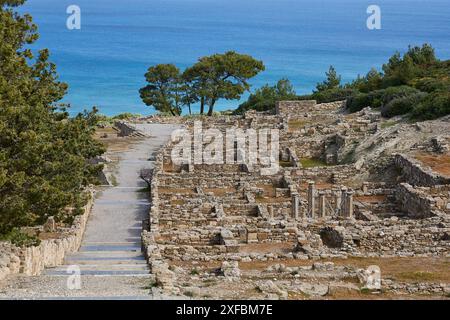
(416, 84)
(43, 152)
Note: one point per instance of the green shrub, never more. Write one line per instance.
(435, 105)
(392, 93)
(265, 98)
(126, 116)
(432, 84)
(402, 105)
(358, 102)
(378, 98)
(20, 239)
(332, 95)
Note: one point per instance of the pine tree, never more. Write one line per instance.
(43, 153)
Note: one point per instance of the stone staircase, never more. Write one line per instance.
(110, 260)
(105, 259)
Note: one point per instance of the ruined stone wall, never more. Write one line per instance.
(333, 174)
(420, 202)
(127, 129)
(49, 253)
(295, 108)
(371, 238)
(418, 175)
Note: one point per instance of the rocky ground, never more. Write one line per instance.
(401, 278)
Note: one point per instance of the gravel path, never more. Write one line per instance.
(110, 259)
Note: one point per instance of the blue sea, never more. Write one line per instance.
(104, 62)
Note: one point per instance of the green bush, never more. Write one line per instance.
(392, 93)
(435, 105)
(265, 98)
(432, 84)
(402, 105)
(378, 98)
(331, 95)
(358, 101)
(20, 239)
(126, 116)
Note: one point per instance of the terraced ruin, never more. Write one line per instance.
(353, 191)
(359, 209)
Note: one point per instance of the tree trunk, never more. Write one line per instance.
(202, 105)
(211, 107)
(190, 111)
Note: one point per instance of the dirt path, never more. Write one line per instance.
(110, 258)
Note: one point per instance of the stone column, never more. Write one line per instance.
(343, 211)
(349, 204)
(337, 201)
(322, 204)
(365, 187)
(295, 205)
(311, 199)
(270, 210)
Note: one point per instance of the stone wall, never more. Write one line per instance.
(127, 129)
(292, 107)
(422, 202)
(418, 175)
(49, 253)
(414, 202)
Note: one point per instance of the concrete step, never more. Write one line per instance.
(110, 248)
(106, 262)
(126, 253)
(104, 256)
(121, 202)
(105, 273)
(106, 267)
(135, 242)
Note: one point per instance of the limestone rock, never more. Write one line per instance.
(313, 289)
(230, 270)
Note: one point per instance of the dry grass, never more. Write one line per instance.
(409, 269)
(400, 269)
(438, 163)
(272, 199)
(371, 199)
(312, 163)
(108, 136)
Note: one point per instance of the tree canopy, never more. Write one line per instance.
(265, 98)
(164, 89)
(333, 80)
(215, 77)
(43, 152)
(415, 83)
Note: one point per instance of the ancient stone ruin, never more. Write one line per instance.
(349, 185)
